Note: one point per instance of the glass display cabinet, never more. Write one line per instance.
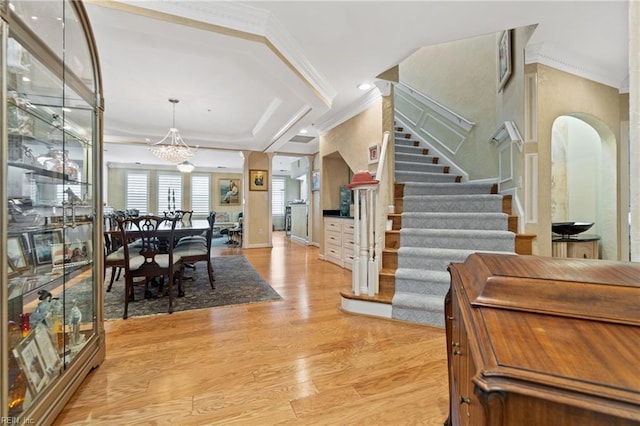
(51, 225)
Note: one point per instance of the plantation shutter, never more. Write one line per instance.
(277, 195)
(200, 194)
(169, 192)
(137, 196)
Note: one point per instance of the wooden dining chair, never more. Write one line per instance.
(198, 249)
(113, 247)
(147, 258)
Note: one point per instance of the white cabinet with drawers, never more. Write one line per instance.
(339, 241)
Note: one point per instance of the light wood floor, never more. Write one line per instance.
(298, 361)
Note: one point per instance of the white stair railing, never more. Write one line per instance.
(367, 251)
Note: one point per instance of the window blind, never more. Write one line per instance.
(200, 194)
(169, 191)
(137, 196)
(277, 195)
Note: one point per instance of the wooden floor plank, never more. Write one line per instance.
(296, 361)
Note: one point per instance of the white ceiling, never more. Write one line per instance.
(251, 75)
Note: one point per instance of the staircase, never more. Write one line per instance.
(438, 219)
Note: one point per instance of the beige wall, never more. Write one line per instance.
(117, 181)
(560, 93)
(461, 75)
(257, 223)
(344, 151)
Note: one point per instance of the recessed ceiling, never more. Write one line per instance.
(251, 75)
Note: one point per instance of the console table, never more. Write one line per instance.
(543, 341)
(578, 247)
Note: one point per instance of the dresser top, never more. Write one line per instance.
(580, 288)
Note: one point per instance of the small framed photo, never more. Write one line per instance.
(43, 242)
(15, 253)
(504, 59)
(373, 154)
(315, 181)
(258, 180)
(229, 190)
(30, 360)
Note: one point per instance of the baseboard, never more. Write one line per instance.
(363, 307)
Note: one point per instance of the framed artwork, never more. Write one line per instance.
(258, 180)
(373, 154)
(30, 359)
(43, 242)
(229, 190)
(48, 351)
(504, 58)
(315, 181)
(15, 253)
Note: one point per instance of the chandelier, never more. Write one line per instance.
(172, 147)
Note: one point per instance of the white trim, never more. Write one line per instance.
(517, 205)
(454, 168)
(567, 61)
(350, 111)
(531, 107)
(442, 110)
(251, 20)
(363, 307)
(531, 188)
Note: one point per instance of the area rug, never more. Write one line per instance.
(236, 282)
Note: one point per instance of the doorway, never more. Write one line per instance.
(584, 178)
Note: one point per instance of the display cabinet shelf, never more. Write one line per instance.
(52, 235)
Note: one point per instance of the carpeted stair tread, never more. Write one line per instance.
(406, 166)
(456, 203)
(475, 239)
(450, 220)
(443, 220)
(449, 189)
(416, 158)
(401, 176)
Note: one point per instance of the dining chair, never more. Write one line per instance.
(147, 258)
(198, 249)
(113, 250)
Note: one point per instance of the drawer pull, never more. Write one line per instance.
(464, 400)
(455, 344)
(450, 318)
(457, 352)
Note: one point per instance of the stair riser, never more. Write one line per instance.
(412, 158)
(462, 243)
(410, 149)
(422, 287)
(433, 318)
(451, 205)
(422, 177)
(420, 167)
(452, 222)
(412, 189)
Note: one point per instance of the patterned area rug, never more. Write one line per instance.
(236, 282)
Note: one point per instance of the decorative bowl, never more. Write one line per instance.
(570, 228)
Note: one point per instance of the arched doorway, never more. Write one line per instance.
(584, 178)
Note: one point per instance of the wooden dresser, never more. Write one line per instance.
(543, 341)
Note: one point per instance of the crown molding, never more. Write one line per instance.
(250, 20)
(363, 103)
(567, 61)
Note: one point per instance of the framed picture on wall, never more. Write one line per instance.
(504, 58)
(258, 180)
(315, 181)
(229, 190)
(373, 154)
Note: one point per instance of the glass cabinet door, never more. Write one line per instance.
(50, 195)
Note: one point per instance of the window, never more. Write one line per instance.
(277, 195)
(200, 194)
(137, 196)
(169, 190)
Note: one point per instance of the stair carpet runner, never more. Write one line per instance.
(443, 221)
